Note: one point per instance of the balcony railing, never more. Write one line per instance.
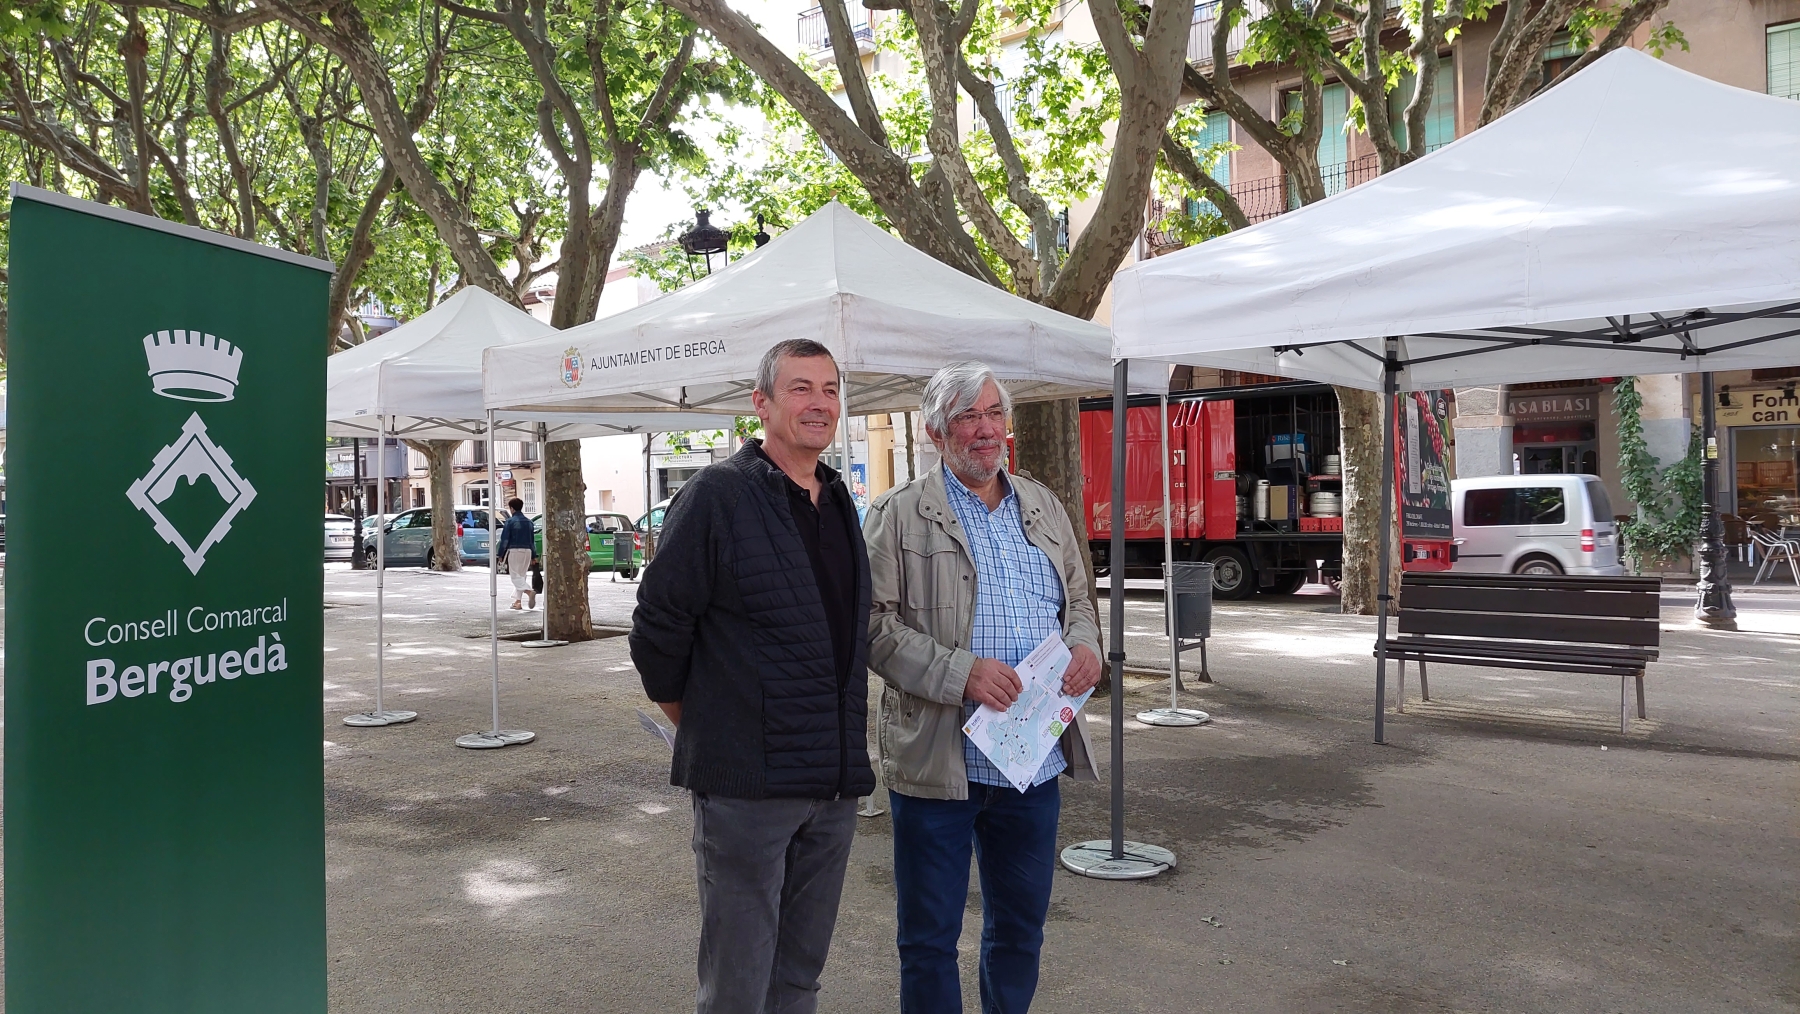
(1206, 16)
(814, 35)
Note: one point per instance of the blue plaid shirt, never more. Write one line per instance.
(1018, 602)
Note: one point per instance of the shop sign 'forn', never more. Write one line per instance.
(165, 848)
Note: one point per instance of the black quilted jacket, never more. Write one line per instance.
(729, 622)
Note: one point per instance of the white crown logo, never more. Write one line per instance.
(191, 366)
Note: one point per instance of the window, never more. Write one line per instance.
(415, 519)
(1598, 499)
(528, 493)
(1440, 119)
(528, 450)
(1529, 505)
(1207, 140)
(472, 520)
(1784, 60)
(1559, 56)
(476, 493)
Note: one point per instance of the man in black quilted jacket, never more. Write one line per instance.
(752, 634)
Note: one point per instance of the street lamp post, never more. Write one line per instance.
(1714, 608)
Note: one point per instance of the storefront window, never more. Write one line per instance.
(1768, 474)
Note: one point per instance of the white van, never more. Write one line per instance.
(1534, 524)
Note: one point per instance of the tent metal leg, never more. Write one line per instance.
(381, 715)
(544, 640)
(495, 736)
(1389, 384)
(1174, 714)
(1117, 859)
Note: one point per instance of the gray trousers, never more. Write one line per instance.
(771, 872)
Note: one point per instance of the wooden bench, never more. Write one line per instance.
(1604, 625)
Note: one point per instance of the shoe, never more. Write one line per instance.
(531, 600)
(515, 604)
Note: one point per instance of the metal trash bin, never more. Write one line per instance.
(1193, 588)
(624, 554)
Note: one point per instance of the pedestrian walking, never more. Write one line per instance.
(518, 549)
(972, 567)
(751, 633)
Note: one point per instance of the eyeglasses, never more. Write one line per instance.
(970, 419)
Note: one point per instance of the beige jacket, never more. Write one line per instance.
(924, 613)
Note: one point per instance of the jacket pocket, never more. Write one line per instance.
(929, 562)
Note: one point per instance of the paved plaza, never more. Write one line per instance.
(1508, 851)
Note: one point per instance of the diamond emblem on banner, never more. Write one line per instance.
(191, 457)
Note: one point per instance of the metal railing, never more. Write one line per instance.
(1206, 17)
(815, 35)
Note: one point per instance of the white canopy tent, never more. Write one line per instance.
(891, 315)
(422, 381)
(1573, 237)
(1566, 239)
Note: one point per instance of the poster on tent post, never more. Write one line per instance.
(1421, 471)
(165, 845)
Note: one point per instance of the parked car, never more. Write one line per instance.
(1534, 524)
(655, 517)
(340, 537)
(601, 529)
(409, 537)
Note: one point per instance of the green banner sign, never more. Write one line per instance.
(165, 825)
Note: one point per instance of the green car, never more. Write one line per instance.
(601, 529)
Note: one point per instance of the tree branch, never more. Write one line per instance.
(850, 69)
(1181, 159)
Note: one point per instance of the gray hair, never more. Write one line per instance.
(798, 348)
(954, 389)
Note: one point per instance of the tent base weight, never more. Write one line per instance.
(495, 739)
(373, 719)
(1174, 717)
(1094, 859)
(542, 644)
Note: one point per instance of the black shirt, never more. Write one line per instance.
(825, 529)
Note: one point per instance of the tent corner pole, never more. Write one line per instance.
(1389, 387)
(1115, 600)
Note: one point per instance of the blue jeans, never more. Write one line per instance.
(1013, 835)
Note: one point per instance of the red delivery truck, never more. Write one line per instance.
(1255, 485)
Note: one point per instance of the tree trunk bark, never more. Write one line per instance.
(446, 554)
(565, 544)
(1362, 418)
(1047, 439)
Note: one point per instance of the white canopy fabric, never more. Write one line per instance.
(426, 376)
(891, 315)
(1576, 236)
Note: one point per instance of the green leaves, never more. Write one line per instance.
(1667, 522)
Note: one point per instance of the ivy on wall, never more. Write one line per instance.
(1667, 523)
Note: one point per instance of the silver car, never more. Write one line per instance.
(1534, 524)
(340, 537)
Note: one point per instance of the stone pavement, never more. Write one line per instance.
(1506, 851)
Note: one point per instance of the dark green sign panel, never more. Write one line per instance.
(165, 825)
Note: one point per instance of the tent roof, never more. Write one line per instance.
(427, 375)
(1575, 236)
(890, 314)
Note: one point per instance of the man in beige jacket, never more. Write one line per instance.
(971, 568)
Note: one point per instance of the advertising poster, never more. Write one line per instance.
(165, 846)
(1421, 472)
